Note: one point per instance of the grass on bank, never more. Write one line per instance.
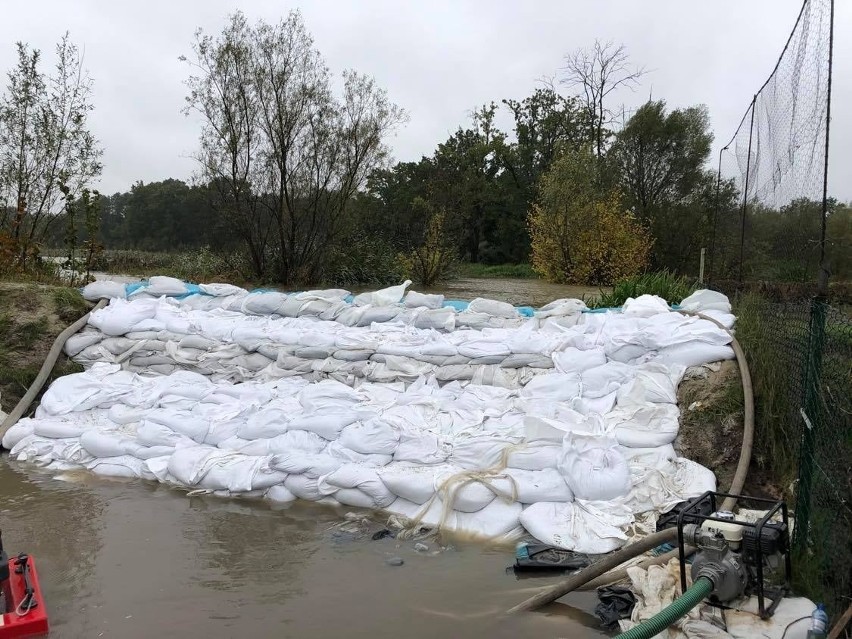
(32, 316)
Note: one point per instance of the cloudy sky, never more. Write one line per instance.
(437, 59)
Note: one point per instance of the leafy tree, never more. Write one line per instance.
(580, 234)
(435, 259)
(546, 125)
(466, 169)
(659, 158)
(44, 142)
(288, 152)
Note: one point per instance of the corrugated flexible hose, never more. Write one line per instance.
(50, 361)
(680, 607)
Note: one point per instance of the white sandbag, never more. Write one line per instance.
(341, 452)
(354, 476)
(704, 300)
(581, 526)
(645, 306)
(493, 308)
(123, 466)
(565, 421)
(378, 315)
(267, 422)
(298, 462)
(693, 353)
(372, 436)
(241, 473)
(294, 440)
(479, 452)
(644, 425)
(326, 395)
(263, 303)
(594, 468)
(561, 308)
(122, 316)
(557, 387)
(77, 342)
(654, 382)
(184, 422)
(150, 433)
(496, 519)
(574, 360)
(103, 289)
(58, 429)
(23, 428)
(159, 285)
(280, 494)
(439, 319)
(603, 380)
(532, 486)
(423, 300)
(424, 449)
(463, 492)
(327, 424)
(304, 487)
(415, 484)
(108, 444)
(217, 289)
(536, 455)
(382, 297)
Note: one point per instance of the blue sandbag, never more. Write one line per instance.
(132, 287)
(459, 305)
(525, 311)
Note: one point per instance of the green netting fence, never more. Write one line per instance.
(775, 220)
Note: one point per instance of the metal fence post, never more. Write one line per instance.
(745, 189)
(812, 417)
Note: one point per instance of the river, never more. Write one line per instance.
(132, 559)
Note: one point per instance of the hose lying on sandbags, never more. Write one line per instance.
(594, 574)
(693, 596)
(46, 368)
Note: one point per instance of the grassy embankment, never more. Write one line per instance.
(31, 316)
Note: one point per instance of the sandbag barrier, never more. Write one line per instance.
(579, 455)
(159, 336)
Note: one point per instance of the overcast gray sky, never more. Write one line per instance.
(437, 59)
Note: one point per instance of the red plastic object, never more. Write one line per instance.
(20, 621)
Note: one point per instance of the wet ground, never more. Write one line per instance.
(520, 292)
(138, 560)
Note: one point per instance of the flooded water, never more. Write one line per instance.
(137, 560)
(520, 292)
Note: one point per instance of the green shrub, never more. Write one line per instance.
(670, 287)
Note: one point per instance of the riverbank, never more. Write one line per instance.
(31, 316)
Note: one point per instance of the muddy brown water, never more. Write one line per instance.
(132, 559)
(517, 291)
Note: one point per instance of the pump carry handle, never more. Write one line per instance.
(22, 567)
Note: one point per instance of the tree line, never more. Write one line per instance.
(294, 174)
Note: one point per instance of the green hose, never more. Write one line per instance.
(693, 596)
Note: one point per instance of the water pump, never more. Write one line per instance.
(739, 557)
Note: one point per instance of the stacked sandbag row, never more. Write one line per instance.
(472, 458)
(337, 305)
(159, 336)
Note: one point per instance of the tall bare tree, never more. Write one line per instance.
(301, 152)
(44, 143)
(596, 72)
